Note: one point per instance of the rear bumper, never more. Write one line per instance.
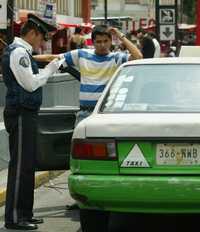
(156, 194)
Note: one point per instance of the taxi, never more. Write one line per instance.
(139, 151)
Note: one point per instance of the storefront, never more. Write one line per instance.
(59, 41)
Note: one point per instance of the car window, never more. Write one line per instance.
(155, 88)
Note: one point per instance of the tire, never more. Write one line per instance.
(94, 220)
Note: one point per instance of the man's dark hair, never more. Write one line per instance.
(28, 26)
(141, 30)
(152, 34)
(100, 30)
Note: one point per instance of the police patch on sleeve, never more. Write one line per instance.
(24, 61)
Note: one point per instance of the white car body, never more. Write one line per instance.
(140, 124)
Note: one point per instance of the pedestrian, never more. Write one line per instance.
(77, 40)
(23, 99)
(156, 44)
(171, 52)
(96, 67)
(146, 43)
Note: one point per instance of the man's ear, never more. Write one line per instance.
(31, 33)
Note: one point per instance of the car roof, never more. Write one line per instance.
(173, 60)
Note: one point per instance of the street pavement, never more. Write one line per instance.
(1, 114)
(50, 202)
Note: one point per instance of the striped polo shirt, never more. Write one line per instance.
(95, 71)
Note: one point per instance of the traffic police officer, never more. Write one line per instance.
(23, 99)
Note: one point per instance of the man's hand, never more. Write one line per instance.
(134, 51)
(114, 31)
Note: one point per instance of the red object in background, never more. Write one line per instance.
(67, 25)
(198, 22)
(86, 11)
(17, 28)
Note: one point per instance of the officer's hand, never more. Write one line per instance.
(54, 65)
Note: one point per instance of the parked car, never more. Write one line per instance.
(139, 151)
(189, 51)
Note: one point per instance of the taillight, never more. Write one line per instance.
(95, 149)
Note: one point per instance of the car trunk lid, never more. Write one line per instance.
(159, 156)
(157, 144)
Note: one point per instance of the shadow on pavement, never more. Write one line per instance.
(153, 222)
(57, 211)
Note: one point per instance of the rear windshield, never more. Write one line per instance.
(155, 88)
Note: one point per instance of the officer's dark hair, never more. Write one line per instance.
(28, 26)
(100, 30)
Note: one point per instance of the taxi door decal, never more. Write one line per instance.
(135, 159)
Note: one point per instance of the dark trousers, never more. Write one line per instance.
(22, 128)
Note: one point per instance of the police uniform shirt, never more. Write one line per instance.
(20, 65)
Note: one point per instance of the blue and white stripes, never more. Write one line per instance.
(95, 71)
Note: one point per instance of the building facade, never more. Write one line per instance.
(66, 11)
(63, 13)
(142, 12)
(64, 7)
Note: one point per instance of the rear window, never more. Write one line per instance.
(155, 88)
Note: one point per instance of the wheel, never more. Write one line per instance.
(94, 220)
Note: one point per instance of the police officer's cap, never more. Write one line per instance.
(42, 26)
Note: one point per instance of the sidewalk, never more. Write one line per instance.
(40, 179)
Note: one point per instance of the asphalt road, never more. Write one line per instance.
(50, 201)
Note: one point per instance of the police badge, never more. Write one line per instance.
(24, 61)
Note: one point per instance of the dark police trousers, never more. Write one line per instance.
(21, 124)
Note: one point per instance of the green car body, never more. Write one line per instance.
(139, 151)
(104, 185)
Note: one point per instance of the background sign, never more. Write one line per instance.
(167, 16)
(166, 21)
(167, 32)
(47, 10)
(3, 14)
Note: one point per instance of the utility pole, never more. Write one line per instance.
(198, 22)
(86, 11)
(105, 11)
(166, 21)
(181, 11)
(157, 3)
(10, 13)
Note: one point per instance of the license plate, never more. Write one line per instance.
(178, 154)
